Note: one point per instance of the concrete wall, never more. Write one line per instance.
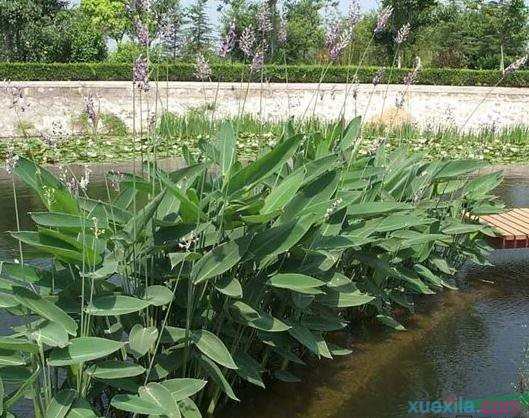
(56, 105)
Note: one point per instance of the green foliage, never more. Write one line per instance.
(183, 285)
(274, 73)
(107, 16)
(197, 29)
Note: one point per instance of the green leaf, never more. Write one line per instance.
(18, 374)
(265, 166)
(66, 221)
(457, 168)
(294, 281)
(141, 340)
(313, 198)
(189, 409)
(249, 369)
(305, 337)
(279, 239)
(183, 388)
(158, 295)
(219, 260)
(285, 376)
(351, 133)
(45, 309)
(160, 396)
(136, 405)
(20, 272)
(61, 403)
(51, 191)
(189, 211)
(83, 349)
(9, 358)
(283, 193)
(227, 146)
(81, 409)
(344, 299)
(376, 208)
(137, 223)
(216, 374)
(229, 286)
(213, 347)
(390, 322)
(114, 369)
(51, 334)
(18, 344)
(267, 322)
(115, 305)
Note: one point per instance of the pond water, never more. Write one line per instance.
(468, 344)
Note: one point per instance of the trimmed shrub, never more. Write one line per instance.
(107, 71)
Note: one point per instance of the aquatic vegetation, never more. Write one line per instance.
(182, 286)
(174, 133)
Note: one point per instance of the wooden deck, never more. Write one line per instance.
(512, 228)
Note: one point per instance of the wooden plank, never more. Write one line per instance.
(512, 226)
(503, 228)
(501, 218)
(521, 222)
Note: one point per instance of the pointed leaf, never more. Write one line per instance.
(213, 347)
(83, 349)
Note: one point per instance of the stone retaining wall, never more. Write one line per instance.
(58, 105)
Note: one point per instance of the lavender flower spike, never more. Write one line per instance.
(90, 109)
(257, 61)
(515, 66)
(379, 76)
(228, 43)
(353, 14)
(282, 32)
(202, 68)
(247, 41)
(383, 19)
(140, 75)
(264, 18)
(403, 34)
(142, 33)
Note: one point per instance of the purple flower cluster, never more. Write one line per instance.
(142, 33)
(383, 19)
(16, 93)
(140, 74)
(264, 18)
(90, 109)
(228, 43)
(138, 5)
(247, 41)
(515, 66)
(336, 40)
(402, 34)
(353, 13)
(379, 76)
(202, 68)
(258, 60)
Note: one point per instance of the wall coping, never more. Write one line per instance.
(337, 87)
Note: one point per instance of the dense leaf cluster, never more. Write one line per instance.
(163, 299)
(235, 72)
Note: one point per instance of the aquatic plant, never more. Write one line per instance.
(165, 298)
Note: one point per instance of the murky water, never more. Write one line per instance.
(467, 344)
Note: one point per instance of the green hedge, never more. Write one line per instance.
(234, 72)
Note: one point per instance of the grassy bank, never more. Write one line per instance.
(508, 146)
